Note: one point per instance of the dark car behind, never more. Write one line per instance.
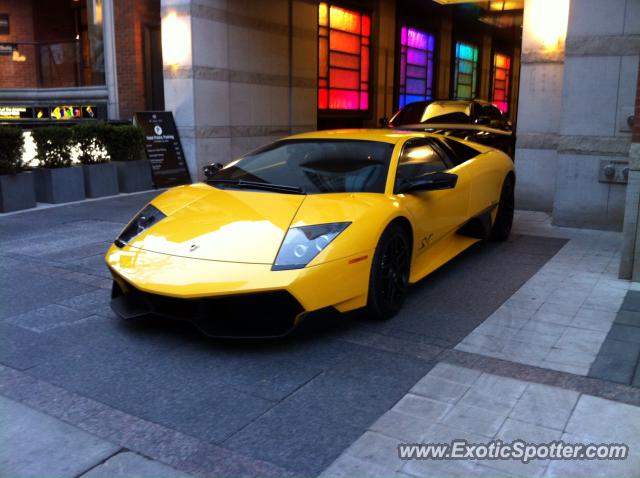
(474, 120)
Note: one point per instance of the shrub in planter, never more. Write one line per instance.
(11, 150)
(16, 185)
(88, 138)
(100, 176)
(124, 144)
(56, 179)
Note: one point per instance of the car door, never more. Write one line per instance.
(436, 214)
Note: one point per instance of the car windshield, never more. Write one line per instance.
(447, 112)
(437, 112)
(313, 166)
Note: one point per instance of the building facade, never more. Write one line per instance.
(238, 74)
(73, 53)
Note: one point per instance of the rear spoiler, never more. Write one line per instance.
(448, 127)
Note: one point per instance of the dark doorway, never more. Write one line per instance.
(154, 81)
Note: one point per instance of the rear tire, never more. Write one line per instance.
(504, 217)
(389, 279)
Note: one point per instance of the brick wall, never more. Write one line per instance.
(18, 74)
(130, 21)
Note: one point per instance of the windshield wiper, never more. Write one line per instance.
(241, 183)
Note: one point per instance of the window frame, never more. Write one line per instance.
(509, 79)
(345, 113)
(429, 31)
(462, 155)
(472, 42)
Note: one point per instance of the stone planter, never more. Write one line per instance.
(17, 191)
(100, 179)
(56, 185)
(134, 176)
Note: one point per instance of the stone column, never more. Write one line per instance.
(600, 74)
(177, 56)
(243, 74)
(110, 63)
(630, 262)
(444, 46)
(486, 65)
(384, 47)
(541, 74)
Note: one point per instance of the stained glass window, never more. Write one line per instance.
(500, 87)
(466, 71)
(343, 58)
(416, 65)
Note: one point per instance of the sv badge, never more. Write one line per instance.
(424, 243)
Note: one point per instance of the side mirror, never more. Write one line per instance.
(383, 122)
(211, 170)
(431, 182)
(483, 120)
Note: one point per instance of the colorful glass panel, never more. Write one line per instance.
(466, 71)
(500, 87)
(416, 66)
(343, 58)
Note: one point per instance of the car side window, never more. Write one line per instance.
(410, 114)
(494, 115)
(418, 158)
(459, 152)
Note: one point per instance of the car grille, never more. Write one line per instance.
(267, 314)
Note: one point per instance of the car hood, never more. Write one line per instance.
(222, 225)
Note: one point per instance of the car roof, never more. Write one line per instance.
(385, 135)
(450, 102)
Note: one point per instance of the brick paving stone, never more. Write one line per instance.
(545, 406)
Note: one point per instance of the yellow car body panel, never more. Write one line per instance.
(223, 242)
(226, 225)
(181, 277)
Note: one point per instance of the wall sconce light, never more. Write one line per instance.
(97, 12)
(546, 21)
(16, 56)
(176, 40)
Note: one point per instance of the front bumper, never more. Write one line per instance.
(227, 298)
(271, 314)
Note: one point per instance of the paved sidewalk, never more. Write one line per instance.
(453, 402)
(553, 328)
(560, 317)
(36, 445)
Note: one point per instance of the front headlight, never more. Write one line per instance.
(302, 244)
(146, 218)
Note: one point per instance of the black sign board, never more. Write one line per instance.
(163, 148)
(11, 112)
(4, 24)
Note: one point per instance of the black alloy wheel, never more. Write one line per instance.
(504, 217)
(389, 274)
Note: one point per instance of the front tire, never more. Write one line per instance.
(504, 216)
(389, 274)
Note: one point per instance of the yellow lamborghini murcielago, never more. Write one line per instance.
(331, 219)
